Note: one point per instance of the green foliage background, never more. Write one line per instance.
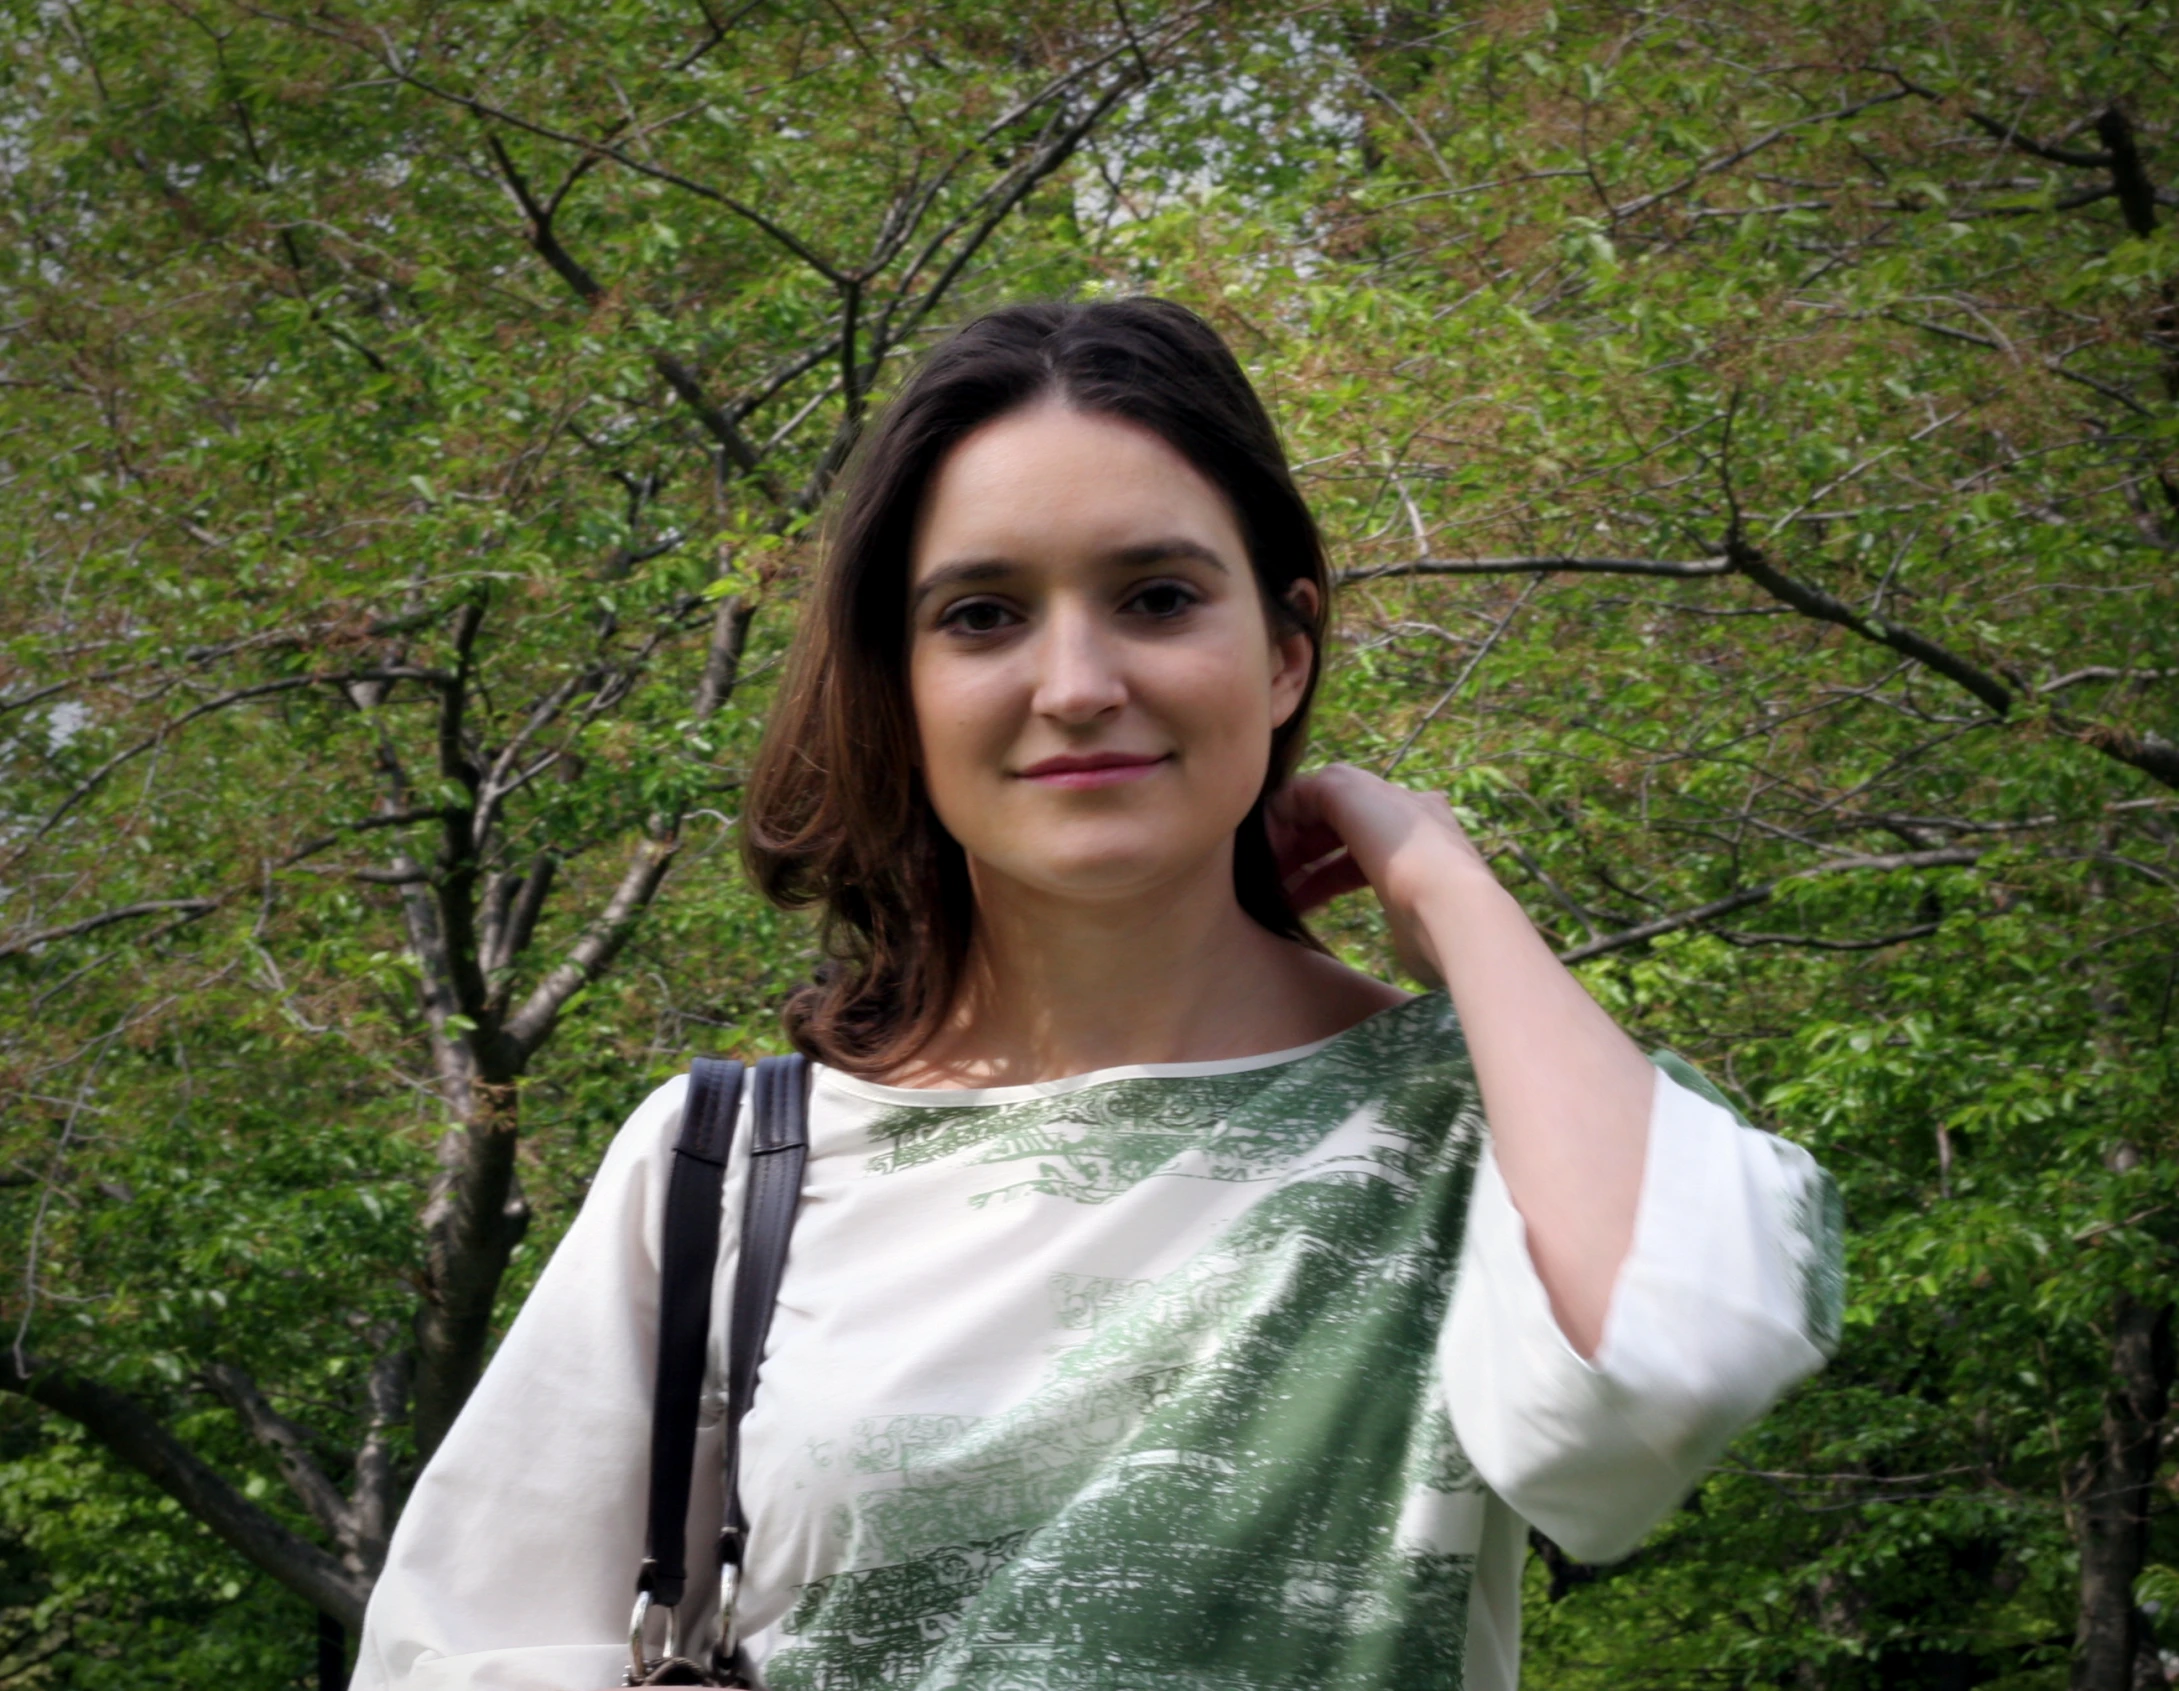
(1749, 437)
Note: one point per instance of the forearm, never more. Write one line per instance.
(1566, 1092)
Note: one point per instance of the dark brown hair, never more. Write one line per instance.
(835, 814)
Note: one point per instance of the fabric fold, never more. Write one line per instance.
(1727, 1297)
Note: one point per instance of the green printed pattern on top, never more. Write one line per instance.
(1236, 1475)
(1239, 1478)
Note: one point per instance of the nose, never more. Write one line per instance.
(1079, 674)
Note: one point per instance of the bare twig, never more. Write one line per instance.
(191, 908)
(1949, 857)
(1445, 698)
(1543, 564)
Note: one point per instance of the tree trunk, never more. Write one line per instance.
(475, 1219)
(2115, 1511)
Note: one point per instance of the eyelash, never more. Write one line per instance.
(1189, 597)
(952, 618)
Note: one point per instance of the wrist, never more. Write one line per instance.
(1444, 899)
(1436, 872)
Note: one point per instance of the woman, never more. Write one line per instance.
(1161, 1311)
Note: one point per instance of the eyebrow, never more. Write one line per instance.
(968, 571)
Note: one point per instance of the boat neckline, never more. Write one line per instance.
(955, 1096)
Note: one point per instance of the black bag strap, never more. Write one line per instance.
(776, 1158)
(688, 1257)
(690, 1248)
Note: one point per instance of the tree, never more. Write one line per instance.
(1747, 440)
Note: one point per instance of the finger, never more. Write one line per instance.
(1300, 802)
(1298, 828)
(1301, 871)
(1322, 882)
(1295, 845)
(1293, 852)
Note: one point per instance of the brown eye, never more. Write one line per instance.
(1164, 600)
(975, 616)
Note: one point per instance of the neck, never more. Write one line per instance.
(1058, 986)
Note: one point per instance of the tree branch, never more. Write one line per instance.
(722, 658)
(511, 938)
(371, 1511)
(1813, 942)
(546, 243)
(289, 1445)
(786, 372)
(2055, 366)
(2150, 753)
(582, 144)
(995, 204)
(497, 783)
(690, 391)
(192, 908)
(91, 782)
(136, 1437)
(903, 222)
(1813, 602)
(1725, 161)
(592, 954)
(474, 1219)
(454, 888)
(539, 231)
(1948, 857)
(1695, 569)
(394, 819)
(2004, 132)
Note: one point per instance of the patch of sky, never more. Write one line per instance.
(1246, 138)
(64, 722)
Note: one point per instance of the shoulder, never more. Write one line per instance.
(660, 1108)
(645, 1139)
(1339, 997)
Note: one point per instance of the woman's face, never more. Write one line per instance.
(1094, 676)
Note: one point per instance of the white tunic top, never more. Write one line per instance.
(1214, 1376)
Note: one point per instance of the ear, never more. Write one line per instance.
(1293, 654)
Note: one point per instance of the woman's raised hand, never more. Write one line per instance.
(1342, 828)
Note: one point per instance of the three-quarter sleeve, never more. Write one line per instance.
(1730, 1292)
(514, 1562)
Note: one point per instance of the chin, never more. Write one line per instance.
(1106, 883)
(1098, 872)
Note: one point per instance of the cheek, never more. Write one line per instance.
(1225, 697)
(961, 720)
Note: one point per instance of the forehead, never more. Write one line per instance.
(1054, 484)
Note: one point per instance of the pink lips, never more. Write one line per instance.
(1094, 769)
